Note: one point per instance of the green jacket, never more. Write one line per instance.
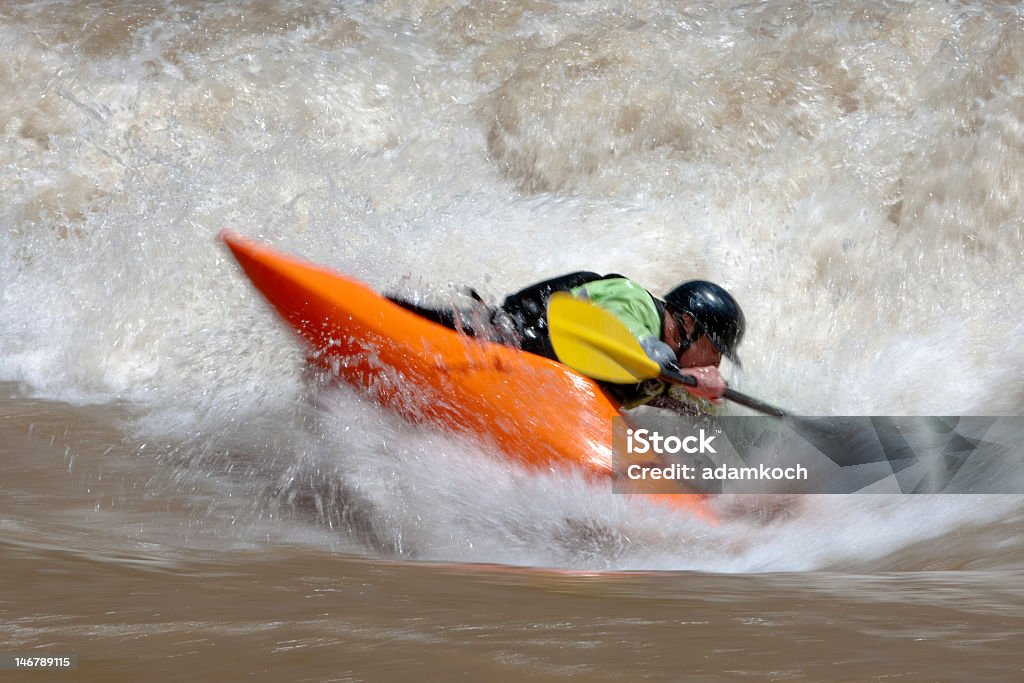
(631, 303)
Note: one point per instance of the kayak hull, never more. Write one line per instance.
(531, 409)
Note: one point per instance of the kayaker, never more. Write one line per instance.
(693, 327)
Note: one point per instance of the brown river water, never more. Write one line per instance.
(141, 580)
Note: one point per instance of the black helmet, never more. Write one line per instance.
(714, 310)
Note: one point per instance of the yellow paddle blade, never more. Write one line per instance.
(593, 341)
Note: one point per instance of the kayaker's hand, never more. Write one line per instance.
(658, 351)
(710, 384)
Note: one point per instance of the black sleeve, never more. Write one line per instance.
(531, 302)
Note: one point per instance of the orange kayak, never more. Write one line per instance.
(529, 408)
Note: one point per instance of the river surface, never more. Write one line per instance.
(181, 498)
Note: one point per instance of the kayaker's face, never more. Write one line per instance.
(700, 354)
